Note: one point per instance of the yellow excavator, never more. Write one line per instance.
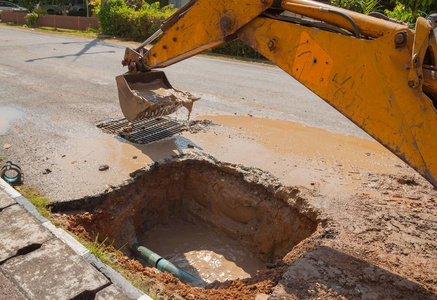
(376, 71)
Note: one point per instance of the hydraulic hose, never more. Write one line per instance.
(354, 25)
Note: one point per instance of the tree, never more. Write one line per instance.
(362, 6)
(401, 13)
(368, 6)
(415, 6)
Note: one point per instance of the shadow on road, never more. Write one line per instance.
(347, 277)
(174, 145)
(84, 51)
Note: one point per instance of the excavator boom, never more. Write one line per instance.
(377, 72)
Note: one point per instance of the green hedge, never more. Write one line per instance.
(237, 48)
(116, 18)
(119, 19)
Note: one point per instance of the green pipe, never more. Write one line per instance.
(162, 264)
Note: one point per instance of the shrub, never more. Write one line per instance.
(40, 11)
(238, 48)
(401, 13)
(31, 19)
(419, 5)
(361, 6)
(117, 18)
(347, 4)
(120, 19)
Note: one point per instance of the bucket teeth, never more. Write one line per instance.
(164, 111)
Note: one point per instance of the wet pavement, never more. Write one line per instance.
(7, 116)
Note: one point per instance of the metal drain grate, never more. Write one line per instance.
(144, 131)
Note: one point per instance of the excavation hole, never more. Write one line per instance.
(215, 220)
(202, 252)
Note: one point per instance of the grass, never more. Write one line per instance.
(90, 33)
(106, 253)
(2, 158)
(209, 53)
(103, 251)
(36, 198)
(99, 249)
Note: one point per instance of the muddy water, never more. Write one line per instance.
(284, 137)
(7, 116)
(299, 154)
(156, 94)
(82, 156)
(201, 252)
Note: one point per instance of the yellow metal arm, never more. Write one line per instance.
(205, 25)
(379, 74)
(366, 80)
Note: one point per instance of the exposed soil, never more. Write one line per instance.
(379, 242)
(151, 97)
(381, 239)
(244, 204)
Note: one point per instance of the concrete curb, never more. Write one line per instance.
(115, 278)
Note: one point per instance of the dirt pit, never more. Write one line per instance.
(228, 225)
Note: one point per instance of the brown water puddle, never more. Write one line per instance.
(201, 252)
(299, 154)
(85, 155)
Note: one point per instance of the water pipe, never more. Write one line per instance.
(162, 264)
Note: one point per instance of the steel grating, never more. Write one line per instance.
(144, 131)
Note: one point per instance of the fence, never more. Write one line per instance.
(56, 21)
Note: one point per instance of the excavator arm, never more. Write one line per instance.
(377, 72)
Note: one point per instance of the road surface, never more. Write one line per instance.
(62, 86)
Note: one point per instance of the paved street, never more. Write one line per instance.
(65, 85)
(44, 74)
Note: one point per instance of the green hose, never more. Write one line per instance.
(162, 264)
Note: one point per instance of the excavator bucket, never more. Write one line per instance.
(149, 94)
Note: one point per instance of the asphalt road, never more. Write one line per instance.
(43, 74)
(65, 85)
